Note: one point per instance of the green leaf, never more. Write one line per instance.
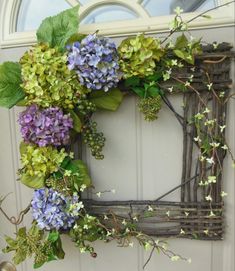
(153, 91)
(75, 37)
(181, 42)
(11, 242)
(139, 91)
(179, 53)
(57, 248)
(53, 236)
(23, 147)
(10, 80)
(19, 256)
(77, 124)
(57, 30)
(109, 100)
(32, 181)
(132, 81)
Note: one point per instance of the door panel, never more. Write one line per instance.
(142, 161)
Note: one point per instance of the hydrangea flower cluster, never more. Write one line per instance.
(47, 81)
(51, 209)
(41, 162)
(45, 127)
(95, 61)
(139, 56)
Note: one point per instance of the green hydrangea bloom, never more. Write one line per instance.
(40, 162)
(139, 55)
(47, 80)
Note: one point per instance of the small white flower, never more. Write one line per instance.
(67, 173)
(168, 213)
(182, 231)
(211, 213)
(192, 69)
(113, 191)
(206, 231)
(170, 89)
(127, 230)
(215, 45)
(186, 214)
(209, 86)
(208, 198)
(215, 144)
(82, 249)
(135, 218)
(197, 139)
(124, 222)
(187, 84)
(150, 209)
(85, 227)
(105, 217)
(174, 62)
(206, 111)
(98, 194)
(199, 116)
(175, 258)
(211, 179)
(225, 147)
(222, 128)
(221, 94)
(189, 260)
(131, 244)
(71, 155)
(178, 10)
(180, 65)
(210, 160)
(223, 194)
(82, 187)
(202, 158)
(108, 233)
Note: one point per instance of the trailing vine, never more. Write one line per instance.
(63, 80)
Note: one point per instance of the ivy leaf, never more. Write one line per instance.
(57, 30)
(109, 100)
(181, 42)
(77, 166)
(77, 124)
(10, 80)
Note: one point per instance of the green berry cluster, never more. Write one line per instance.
(150, 106)
(139, 55)
(47, 80)
(85, 106)
(93, 139)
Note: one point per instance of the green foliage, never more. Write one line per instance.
(139, 56)
(146, 87)
(77, 124)
(57, 30)
(47, 80)
(38, 163)
(186, 50)
(32, 243)
(110, 100)
(10, 80)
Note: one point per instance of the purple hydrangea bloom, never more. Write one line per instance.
(95, 61)
(51, 209)
(45, 126)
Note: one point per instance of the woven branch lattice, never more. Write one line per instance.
(190, 217)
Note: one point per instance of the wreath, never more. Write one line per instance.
(63, 80)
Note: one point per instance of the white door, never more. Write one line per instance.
(142, 161)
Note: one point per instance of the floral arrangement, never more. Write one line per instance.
(62, 81)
